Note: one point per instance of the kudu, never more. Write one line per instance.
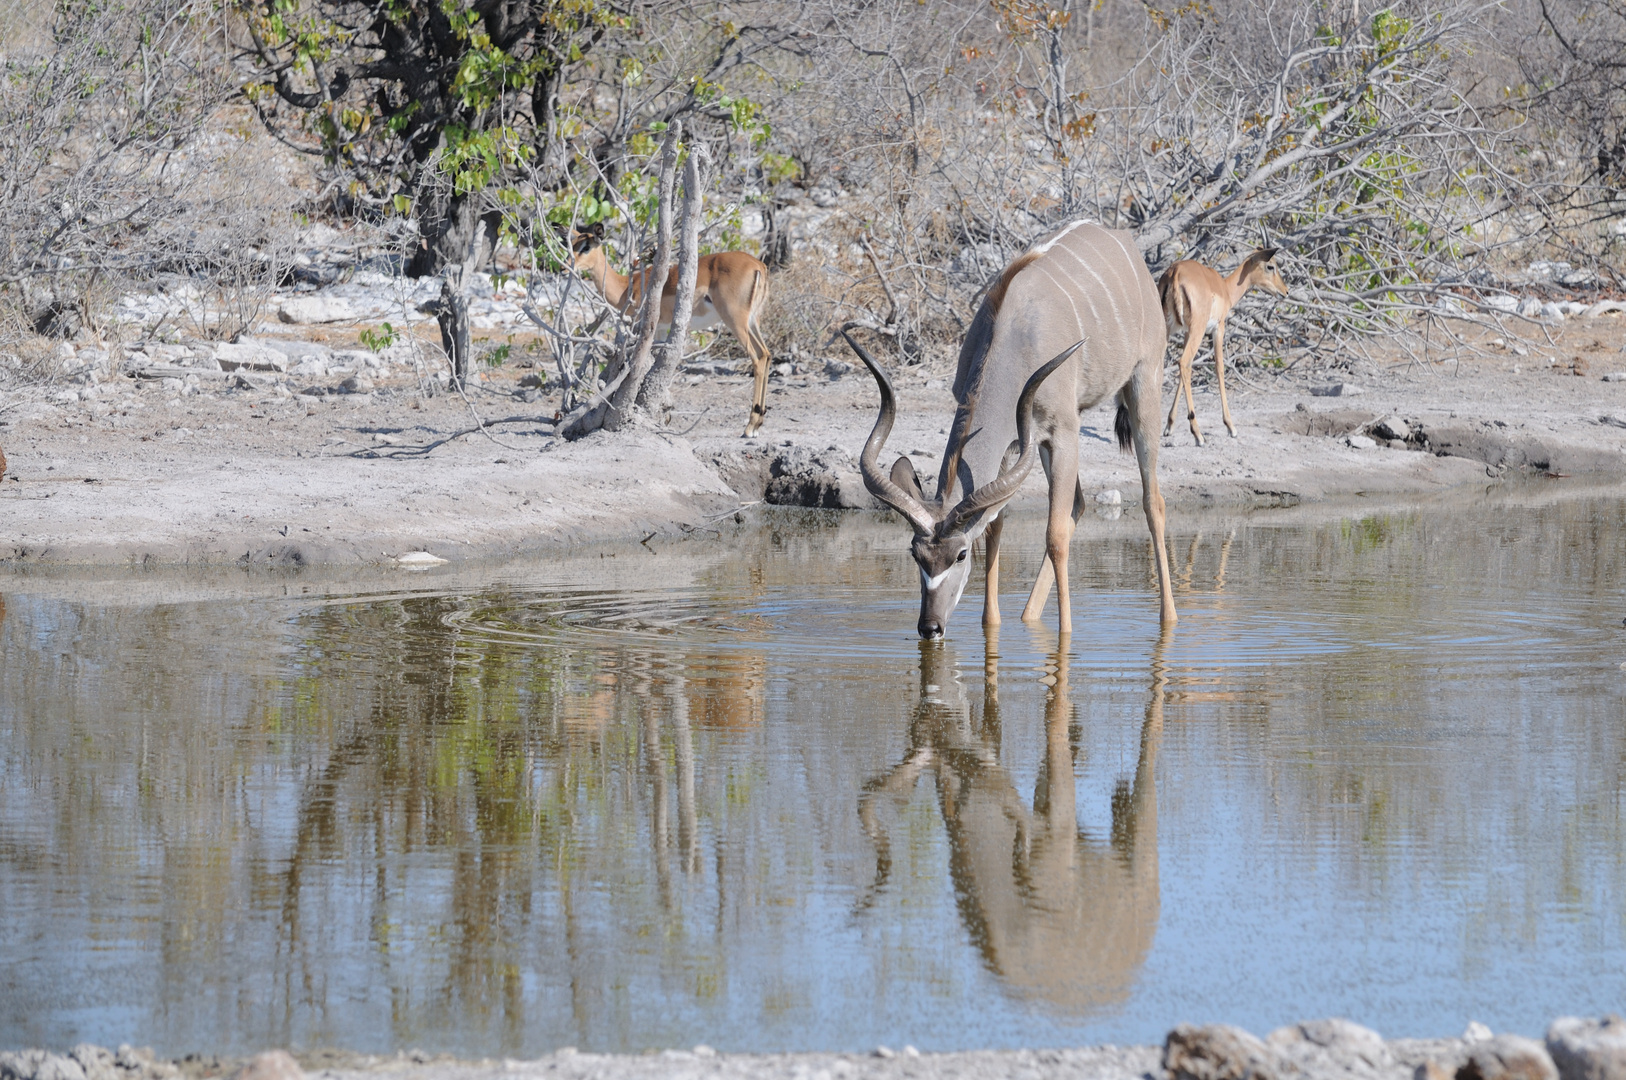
(1196, 300)
(1081, 282)
(1057, 915)
(731, 288)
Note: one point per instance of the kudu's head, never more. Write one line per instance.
(942, 546)
(1260, 269)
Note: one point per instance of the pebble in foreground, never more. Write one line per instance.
(1575, 1049)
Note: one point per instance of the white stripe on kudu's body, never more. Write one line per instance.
(1042, 348)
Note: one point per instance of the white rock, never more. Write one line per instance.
(315, 309)
(420, 558)
(1110, 497)
(1361, 442)
(1392, 427)
(1331, 1048)
(1510, 1057)
(1476, 1032)
(1342, 389)
(271, 1065)
(1615, 376)
(1588, 1049)
(1502, 302)
(1551, 312)
(1605, 307)
(1530, 307)
(249, 357)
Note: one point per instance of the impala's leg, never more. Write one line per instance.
(759, 386)
(738, 318)
(761, 361)
(1140, 398)
(990, 603)
(1180, 368)
(1219, 373)
(1187, 358)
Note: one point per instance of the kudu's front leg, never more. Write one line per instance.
(990, 603)
(1060, 466)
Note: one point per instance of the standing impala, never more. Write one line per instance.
(731, 288)
(1196, 300)
(1081, 282)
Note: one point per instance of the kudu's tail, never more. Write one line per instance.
(1123, 428)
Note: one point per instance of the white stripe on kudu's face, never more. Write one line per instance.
(931, 583)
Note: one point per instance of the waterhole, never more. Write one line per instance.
(717, 792)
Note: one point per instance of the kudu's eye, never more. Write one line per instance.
(961, 556)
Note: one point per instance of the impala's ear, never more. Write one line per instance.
(903, 475)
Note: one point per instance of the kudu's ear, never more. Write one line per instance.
(903, 475)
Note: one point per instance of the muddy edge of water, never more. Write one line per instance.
(245, 476)
(628, 563)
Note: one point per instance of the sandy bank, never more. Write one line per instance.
(253, 475)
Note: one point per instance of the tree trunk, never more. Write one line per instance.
(625, 401)
(775, 237)
(452, 231)
(453, 316)
(456, 238)
(656, 393)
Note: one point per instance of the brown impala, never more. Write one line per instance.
(1197, 300)
(731, 288)
(1084, 296)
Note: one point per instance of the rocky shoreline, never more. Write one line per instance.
(299, 445)
(1573, 1049)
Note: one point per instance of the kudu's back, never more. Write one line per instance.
(1082, 281)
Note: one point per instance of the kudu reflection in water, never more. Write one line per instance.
(1057, 915)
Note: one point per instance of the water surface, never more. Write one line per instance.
(724, 796)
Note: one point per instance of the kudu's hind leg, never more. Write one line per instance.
(1140, 398)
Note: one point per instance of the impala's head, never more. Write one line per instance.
(943, 535)
(1260, 269)
(586, 247)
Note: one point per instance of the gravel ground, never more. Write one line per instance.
(1313, 1050)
